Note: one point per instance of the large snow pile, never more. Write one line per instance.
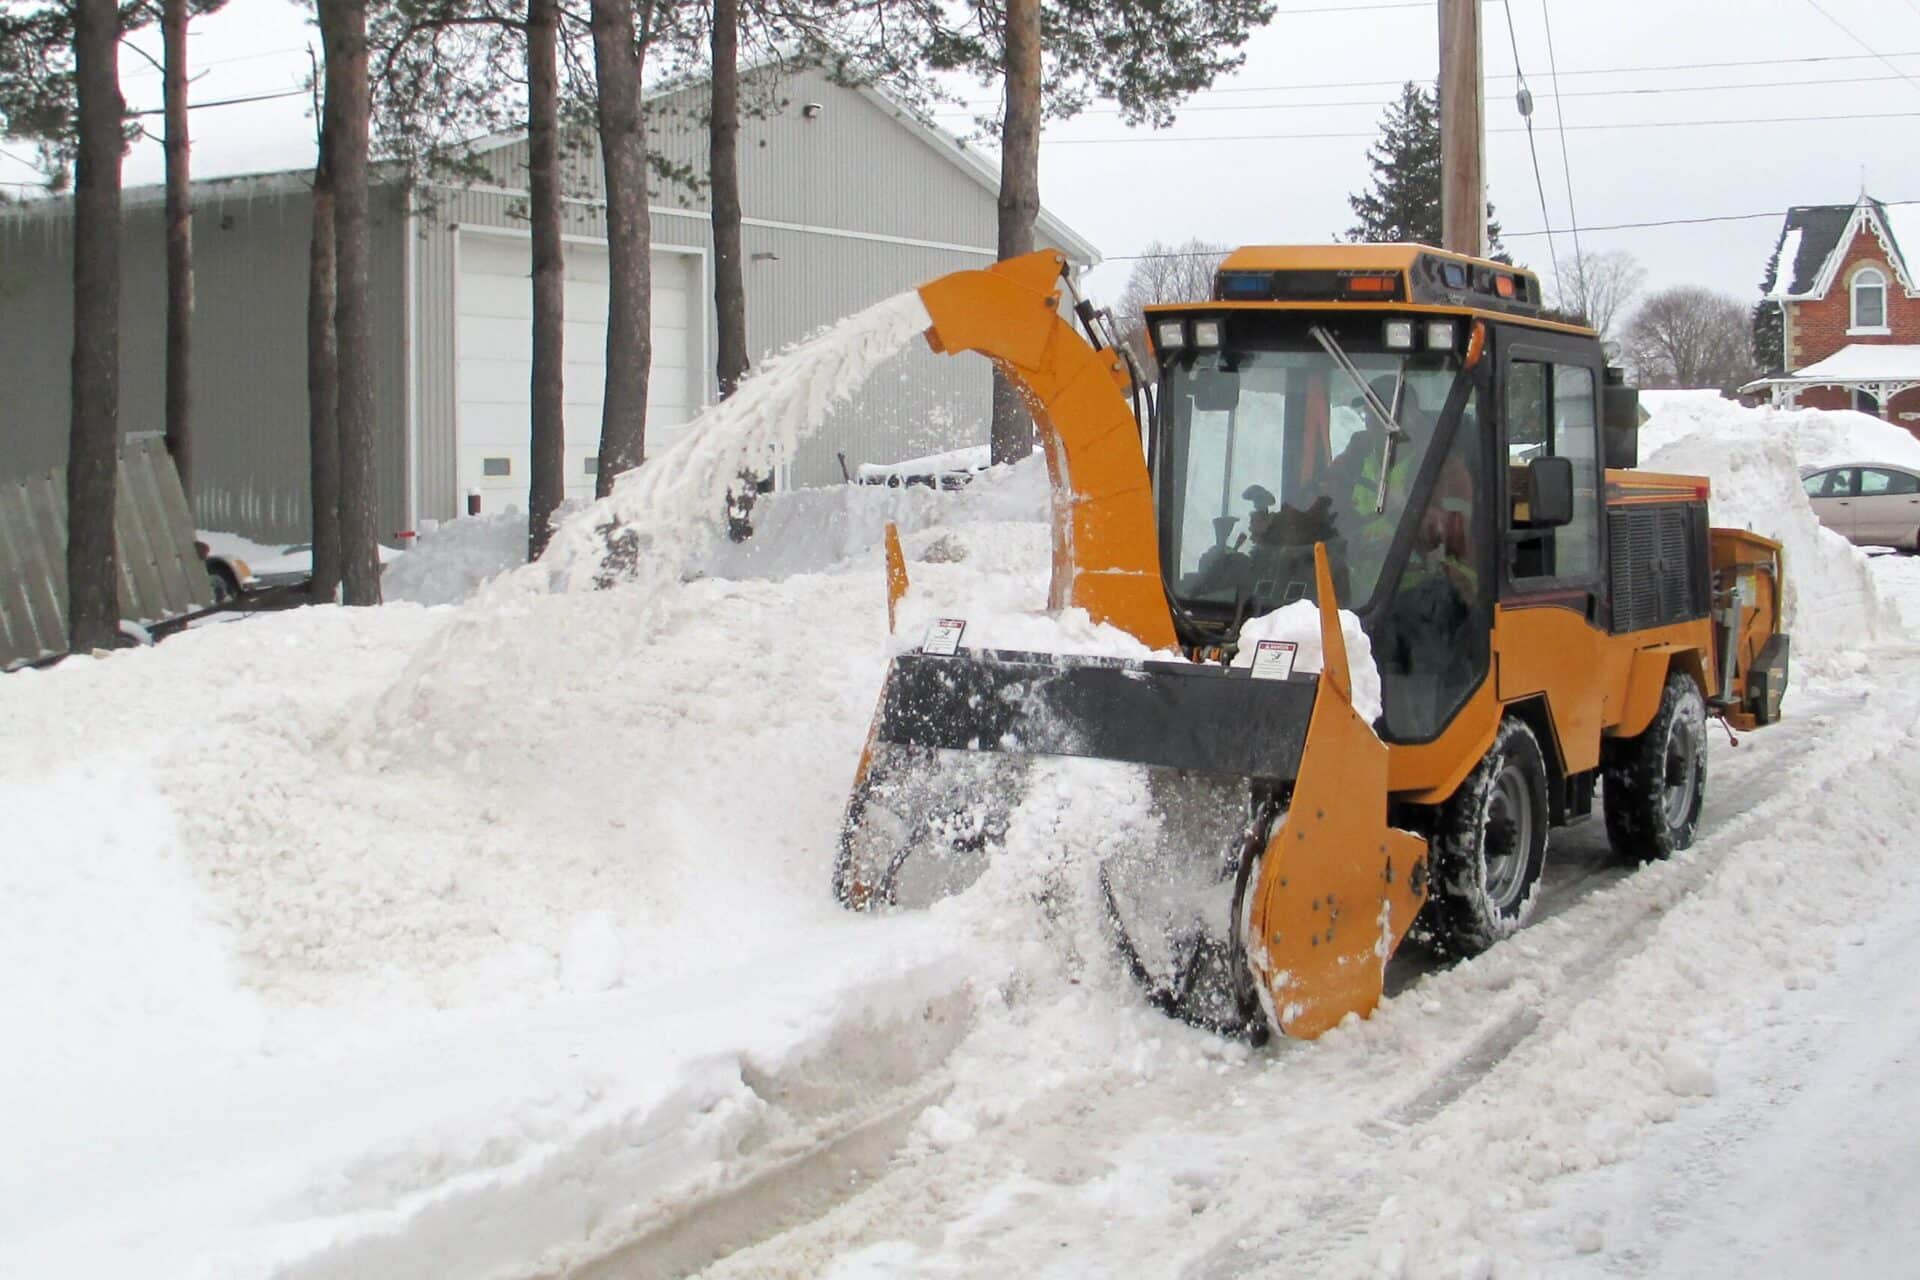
(1754, 458)
(812, 530)
(451, 559)
(1816, 437)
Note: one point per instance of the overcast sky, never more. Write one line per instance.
(1271, 154)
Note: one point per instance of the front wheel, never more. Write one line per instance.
(1654, 783)
(1490, 845)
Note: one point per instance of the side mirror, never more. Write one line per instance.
(1549, 493)
(1620, 421)
(1216, 391)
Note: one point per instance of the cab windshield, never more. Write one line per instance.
(1264, 451)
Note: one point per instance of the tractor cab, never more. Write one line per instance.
(1344, 396)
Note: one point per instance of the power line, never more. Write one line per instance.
(1643, 124)
(1845, 30)
(1524, 97)
(202, 63)
(1566, 165)
(1690, 222)
(1375, 103)
(1355, 8)
(226, 102)
(1606, 226)
(1588, 71)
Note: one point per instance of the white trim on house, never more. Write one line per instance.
(1863, 215)
(1854, 282)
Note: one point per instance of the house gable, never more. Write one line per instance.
(1817, 304)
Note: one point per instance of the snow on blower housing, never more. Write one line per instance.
(1388, 432)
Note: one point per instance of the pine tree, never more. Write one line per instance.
(1403, 206)
(1055, 56)
(1768, 325)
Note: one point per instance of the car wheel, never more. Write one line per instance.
(226, 585)
(1654, 784)
(1490, 845)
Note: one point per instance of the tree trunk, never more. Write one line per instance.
(179, 215)
(1012, 437)
(323, 372)
(344, 32)
(729, 280)
(623, 419)
(723, 168)
(93, 609)
(546, 480)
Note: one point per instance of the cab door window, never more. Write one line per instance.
(1551, 414)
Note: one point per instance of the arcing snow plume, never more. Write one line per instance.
(660, 514)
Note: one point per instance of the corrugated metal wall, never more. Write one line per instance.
(161, 576)
(249, 347)
(842, 210)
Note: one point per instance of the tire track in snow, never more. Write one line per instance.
(1098, 1115)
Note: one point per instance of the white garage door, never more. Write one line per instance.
(494, 349)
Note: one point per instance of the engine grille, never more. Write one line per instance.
(1660, 569)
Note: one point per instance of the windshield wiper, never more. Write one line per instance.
(1389, 414)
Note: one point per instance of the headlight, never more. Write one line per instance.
(1173, 334)
(1440, 335)
(1206, 335)
(1399, 335)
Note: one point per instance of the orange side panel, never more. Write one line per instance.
(1106, 556)
(1429, 772)
(1557, 652)
(1338, 888)
(896, 574)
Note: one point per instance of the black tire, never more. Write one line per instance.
(225, 583)
(1653, 785)
(1490, 845)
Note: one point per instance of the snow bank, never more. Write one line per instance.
(451, 559)
(1816, 437)
(813, 530)
(1753, 457)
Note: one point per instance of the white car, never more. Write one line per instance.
(1871, 504)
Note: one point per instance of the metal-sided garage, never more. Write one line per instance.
(847, 198)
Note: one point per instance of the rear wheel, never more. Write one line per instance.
(1655, 783)
(223, 580)
(1490, 845)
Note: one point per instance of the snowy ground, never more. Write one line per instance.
(493, 939)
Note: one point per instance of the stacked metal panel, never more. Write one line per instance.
(161, 574)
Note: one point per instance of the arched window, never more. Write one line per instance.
(1869, 299)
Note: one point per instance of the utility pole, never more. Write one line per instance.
(1463, 134)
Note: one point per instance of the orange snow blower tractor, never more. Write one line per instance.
(1392, 432)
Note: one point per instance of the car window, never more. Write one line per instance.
(1831, 484)
(1874, 483)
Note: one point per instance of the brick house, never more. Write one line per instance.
(1850, 314)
